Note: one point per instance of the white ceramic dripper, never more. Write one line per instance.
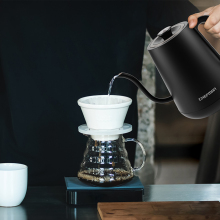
(103, 112)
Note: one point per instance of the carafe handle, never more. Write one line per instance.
(143, 150)
(202, 20)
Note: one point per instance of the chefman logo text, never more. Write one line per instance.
(207, 94)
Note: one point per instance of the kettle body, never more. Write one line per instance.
(190, 68)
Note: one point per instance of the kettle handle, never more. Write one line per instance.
(142, 88)
(202, 20)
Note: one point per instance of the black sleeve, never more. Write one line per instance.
(163, 13)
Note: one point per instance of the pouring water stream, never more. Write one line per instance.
(110, 88)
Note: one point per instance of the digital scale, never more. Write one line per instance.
(79, 193)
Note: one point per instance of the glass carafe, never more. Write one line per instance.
(105, 162)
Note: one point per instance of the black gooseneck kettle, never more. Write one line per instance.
(190, 68)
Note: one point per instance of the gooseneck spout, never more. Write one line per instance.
(142, 88)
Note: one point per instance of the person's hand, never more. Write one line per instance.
(212, 25)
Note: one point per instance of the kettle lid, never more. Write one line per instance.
(166, 35)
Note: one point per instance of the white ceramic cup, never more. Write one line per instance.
(13, 184)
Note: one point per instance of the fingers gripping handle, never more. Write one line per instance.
(202, 20)
(143, 150)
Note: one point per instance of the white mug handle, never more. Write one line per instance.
(143, 150)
